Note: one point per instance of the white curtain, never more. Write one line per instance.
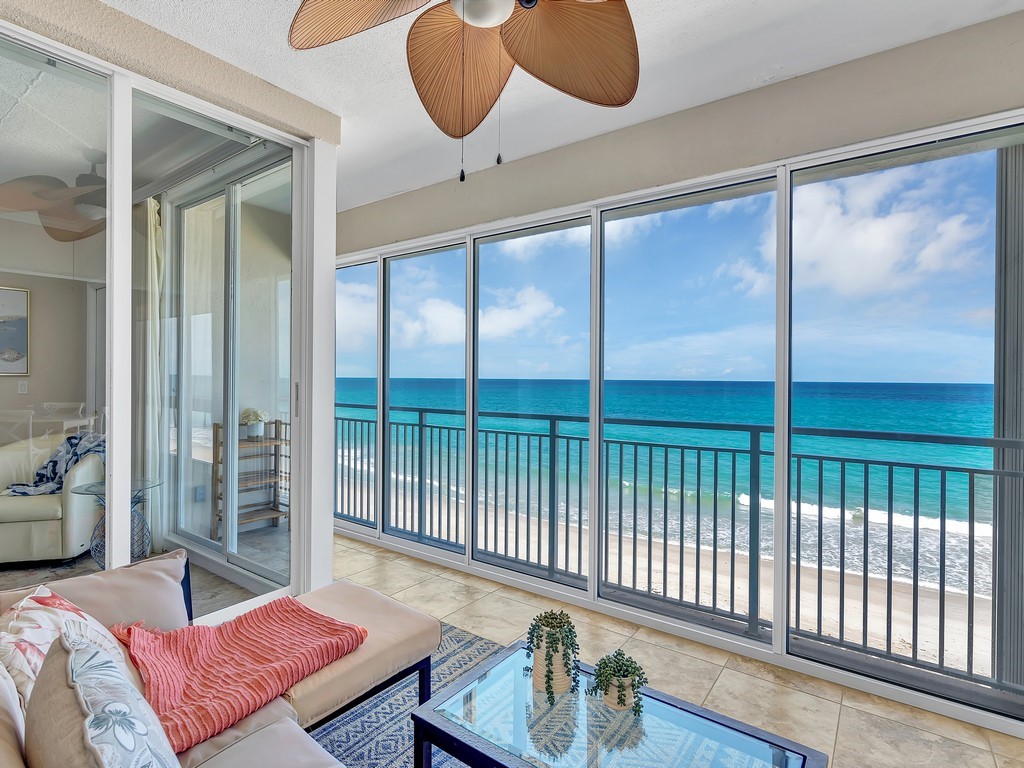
(149, 369)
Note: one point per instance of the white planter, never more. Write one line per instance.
(611, 698)
(560, 680)
(256, 431)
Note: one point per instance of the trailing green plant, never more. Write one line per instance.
(556, 632)
(615, 669)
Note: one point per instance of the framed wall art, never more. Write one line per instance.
(14, 332)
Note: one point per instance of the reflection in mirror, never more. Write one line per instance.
(53, 141)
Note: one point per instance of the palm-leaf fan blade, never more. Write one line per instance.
(319, 22)
(29, 193)
(65, 224)
(584, 49)
(459, 70)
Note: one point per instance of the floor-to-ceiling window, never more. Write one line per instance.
(533, 399)
(886, 345)
(689, 368)
(906, 486)
(426, 397)
(355, 394)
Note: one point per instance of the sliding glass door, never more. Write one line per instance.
(533, 396)
(907, 489)
(689, 361)
(355, 395)
(425, 448)
(232, 242)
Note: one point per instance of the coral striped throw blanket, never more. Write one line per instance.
(202, 680)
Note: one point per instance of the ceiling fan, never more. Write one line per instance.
(462, 52)
(66, 213)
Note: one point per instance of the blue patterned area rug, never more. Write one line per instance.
(378, 733)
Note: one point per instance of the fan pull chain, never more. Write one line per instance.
(499, 96)
(462, 173)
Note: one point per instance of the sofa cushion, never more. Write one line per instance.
(398, 636)
(20, 460)
(278, 709)
(12, 723)
(282, 743)
(29, 628)
(30, 509)
(148, 591)
(86, 713)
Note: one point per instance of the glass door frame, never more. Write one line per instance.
(225, 180)
(314, 172)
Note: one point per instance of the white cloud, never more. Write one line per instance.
(879, 233)
(746, 204)
(875, 234)
(436, 322)
(356, 318)
(750, 278)
(621, 231)
(527, 248)
(526, 310)
(951, 250)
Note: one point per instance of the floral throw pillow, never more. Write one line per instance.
(28, 628)
(121, 729)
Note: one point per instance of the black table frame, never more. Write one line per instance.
(431, 729)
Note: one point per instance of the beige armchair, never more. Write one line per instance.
(49, 527)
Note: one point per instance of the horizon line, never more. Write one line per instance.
(684, 381)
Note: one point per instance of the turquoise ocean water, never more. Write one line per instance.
(964, 410)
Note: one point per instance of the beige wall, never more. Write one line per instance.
(967, 73)
(57, 342)
(99, 30)
(27, 248)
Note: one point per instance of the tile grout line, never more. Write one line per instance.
(703, 702)
(835, 741)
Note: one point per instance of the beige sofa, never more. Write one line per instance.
(400, 639)
(52, 526)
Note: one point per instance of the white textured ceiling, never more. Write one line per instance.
(691, 52)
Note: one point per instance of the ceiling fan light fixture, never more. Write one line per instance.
(484, 13)
(90, 211)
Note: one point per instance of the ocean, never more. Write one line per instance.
(665, 476)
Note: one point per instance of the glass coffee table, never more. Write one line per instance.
(492, 717)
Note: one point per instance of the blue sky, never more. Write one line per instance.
(893, 281)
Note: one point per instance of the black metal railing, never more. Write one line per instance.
(891, 556)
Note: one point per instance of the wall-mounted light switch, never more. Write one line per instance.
(22, 387)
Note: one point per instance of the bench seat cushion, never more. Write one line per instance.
(281, 743)
(399, 636)
(30, 509)
(202, 753)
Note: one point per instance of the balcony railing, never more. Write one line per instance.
(891, 556)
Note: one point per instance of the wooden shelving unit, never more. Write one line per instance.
(264, 476)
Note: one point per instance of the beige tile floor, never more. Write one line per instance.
(855, 729)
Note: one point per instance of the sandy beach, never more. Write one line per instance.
(839, 598)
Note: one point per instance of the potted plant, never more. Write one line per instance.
(619, 675)
(254, 419)
(552, 637)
